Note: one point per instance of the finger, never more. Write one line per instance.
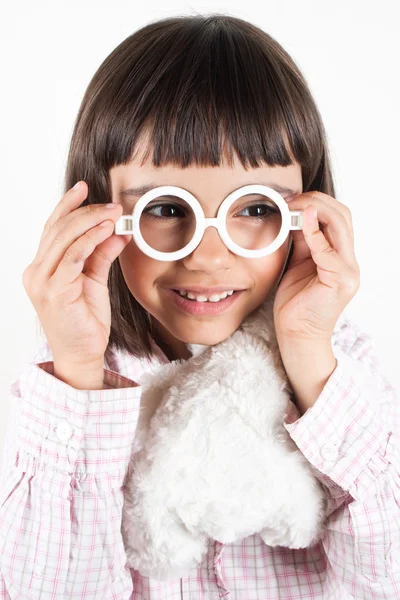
(69, 202)
(342, 208)
(76, 222)
(335, 230)
(59, 239)
(97, 266)
(332, 270)
(72, 263)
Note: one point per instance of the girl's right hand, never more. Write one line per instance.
(67, 280)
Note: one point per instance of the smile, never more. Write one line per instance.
(201, 305)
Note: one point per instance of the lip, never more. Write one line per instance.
(193, 307)
(207, 291)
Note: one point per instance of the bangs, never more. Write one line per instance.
(196, 90)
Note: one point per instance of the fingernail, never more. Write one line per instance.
(77, 186)
(111, 205)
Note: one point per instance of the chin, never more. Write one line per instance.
(207, 335)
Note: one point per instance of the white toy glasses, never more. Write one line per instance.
(174, 236)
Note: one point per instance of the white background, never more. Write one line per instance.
(349, 53)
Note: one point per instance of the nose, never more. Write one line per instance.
(210, 255)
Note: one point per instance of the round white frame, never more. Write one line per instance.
(127, 224)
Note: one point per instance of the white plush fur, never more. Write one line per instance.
(212, 459)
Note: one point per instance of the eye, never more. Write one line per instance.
(164, 210)
(259, 210)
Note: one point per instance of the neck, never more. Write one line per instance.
(175, 351)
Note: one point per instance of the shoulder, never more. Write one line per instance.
(351, 339)
(360, 364)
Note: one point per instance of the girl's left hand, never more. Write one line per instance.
(323, 274)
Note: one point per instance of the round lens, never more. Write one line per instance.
(253, 221)
(167, 223)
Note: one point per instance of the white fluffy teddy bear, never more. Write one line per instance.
(212, 459)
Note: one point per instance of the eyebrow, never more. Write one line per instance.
(136, 192)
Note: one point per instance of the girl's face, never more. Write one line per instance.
(211, 264)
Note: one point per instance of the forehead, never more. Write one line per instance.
(139, 175)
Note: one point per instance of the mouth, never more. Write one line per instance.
(205, 296)
(202, 305)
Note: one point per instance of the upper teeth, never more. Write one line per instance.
(212, 298)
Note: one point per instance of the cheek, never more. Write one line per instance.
(266, 270)
(140, 272)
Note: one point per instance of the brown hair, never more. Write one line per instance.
(195, 85)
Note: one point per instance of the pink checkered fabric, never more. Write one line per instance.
(65, 461)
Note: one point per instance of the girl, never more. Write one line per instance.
(208, 104)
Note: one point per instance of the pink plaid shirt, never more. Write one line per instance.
(65, 461)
